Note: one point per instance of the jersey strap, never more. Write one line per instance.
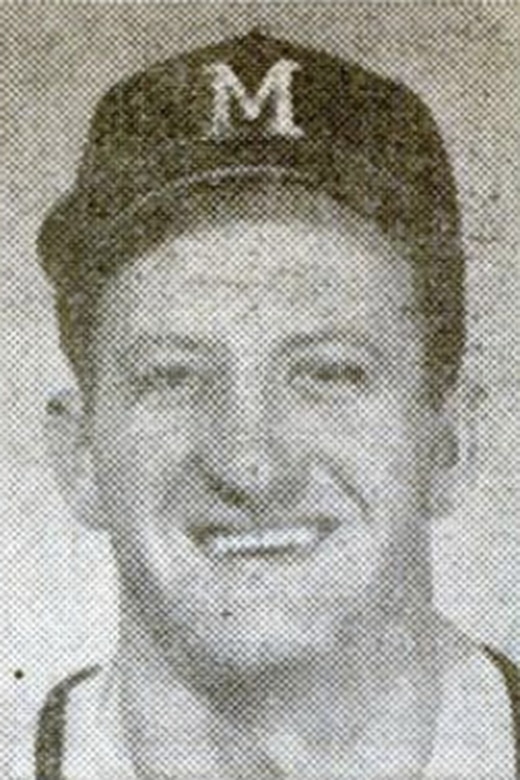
(50, 735)
(511, 677)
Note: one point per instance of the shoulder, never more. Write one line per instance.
(39, 753)
(479, 718)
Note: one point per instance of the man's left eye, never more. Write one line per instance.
(340, 373)
(329, 376)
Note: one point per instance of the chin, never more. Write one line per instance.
(215, 632)
(243, 647)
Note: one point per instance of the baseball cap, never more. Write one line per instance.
(244, 110)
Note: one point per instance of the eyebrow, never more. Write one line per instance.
(350, 338)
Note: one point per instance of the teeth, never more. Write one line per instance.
(263, 542)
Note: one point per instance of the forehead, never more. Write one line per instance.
(284, 259)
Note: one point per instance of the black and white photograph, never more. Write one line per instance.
(261, 390)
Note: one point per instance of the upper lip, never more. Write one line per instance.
(282, 529)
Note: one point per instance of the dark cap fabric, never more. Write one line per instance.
(248, 109)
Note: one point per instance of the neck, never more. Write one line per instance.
(256, 726)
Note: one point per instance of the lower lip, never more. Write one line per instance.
(270, 543)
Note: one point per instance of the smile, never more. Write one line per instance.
(298, 540)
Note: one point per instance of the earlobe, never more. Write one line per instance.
(467, 404)
(69, 454)
(454, 447)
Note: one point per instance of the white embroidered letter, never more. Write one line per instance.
(276, 86)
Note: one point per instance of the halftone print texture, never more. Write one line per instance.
(261, 400)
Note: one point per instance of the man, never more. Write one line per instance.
(259, 282)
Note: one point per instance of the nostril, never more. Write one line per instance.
(229, 493)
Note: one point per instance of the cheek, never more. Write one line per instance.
(133, 453)
(378, 442)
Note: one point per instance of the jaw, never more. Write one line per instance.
(209, 639)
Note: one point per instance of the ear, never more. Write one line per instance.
(69, 454)
(454, 446)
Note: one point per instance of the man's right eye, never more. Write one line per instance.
(165, 380)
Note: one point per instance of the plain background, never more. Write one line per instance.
(57, 601)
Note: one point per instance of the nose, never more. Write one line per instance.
(244, 460)
(251, 465)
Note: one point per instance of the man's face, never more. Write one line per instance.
(260, 435)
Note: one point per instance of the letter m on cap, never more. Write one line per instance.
(274, 95)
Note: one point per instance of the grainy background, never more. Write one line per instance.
(57, 603)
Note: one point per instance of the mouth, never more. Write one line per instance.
(296, 541)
